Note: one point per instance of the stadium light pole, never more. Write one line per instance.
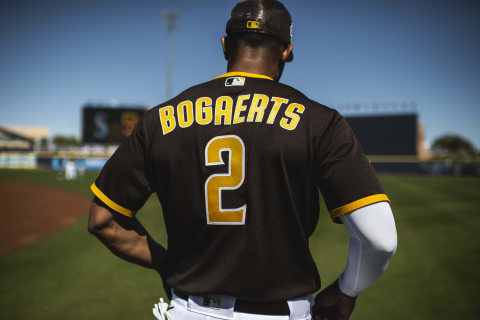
(170, 18)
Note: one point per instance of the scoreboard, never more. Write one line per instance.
(386, 134)
(108, 125)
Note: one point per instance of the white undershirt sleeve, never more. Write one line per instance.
(373, 241)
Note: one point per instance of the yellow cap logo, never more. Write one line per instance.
(253, 25)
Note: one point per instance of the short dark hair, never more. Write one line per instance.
(267, 46)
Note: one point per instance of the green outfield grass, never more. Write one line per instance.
(434, 274)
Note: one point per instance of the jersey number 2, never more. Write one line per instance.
(232, 180)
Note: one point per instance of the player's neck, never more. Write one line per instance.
(254, 66)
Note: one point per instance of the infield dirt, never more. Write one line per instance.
(30, 213)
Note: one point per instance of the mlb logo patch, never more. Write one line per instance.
(212, 302)
(235, 82)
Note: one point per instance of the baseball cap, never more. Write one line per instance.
(269, 17)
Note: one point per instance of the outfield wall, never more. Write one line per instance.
(18, 160)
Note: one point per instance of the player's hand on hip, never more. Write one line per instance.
(332, 304)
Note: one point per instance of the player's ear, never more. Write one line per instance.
(286, 53)
(224, 47)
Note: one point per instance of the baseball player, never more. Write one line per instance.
(237, 163)
(70, 170)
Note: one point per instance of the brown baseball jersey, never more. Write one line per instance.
(237, 163)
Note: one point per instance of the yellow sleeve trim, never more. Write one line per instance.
(335, 213)
(243, 74)
(100, 195)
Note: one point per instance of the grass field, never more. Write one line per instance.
(434, 274)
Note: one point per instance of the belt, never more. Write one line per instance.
(273, 309)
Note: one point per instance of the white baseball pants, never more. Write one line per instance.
(193, 309)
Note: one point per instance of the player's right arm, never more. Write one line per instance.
(125, 237)
(120, 191)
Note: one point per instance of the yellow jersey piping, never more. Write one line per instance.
(243, 74)
(349, 207)
(100, 195)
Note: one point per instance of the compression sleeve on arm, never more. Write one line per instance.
(373, 241)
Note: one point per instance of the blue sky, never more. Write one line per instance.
(56, 56)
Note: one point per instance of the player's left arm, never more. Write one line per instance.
(126, 238)
(373, 242)
(355, 197)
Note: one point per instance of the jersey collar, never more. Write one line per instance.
(243, 74)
